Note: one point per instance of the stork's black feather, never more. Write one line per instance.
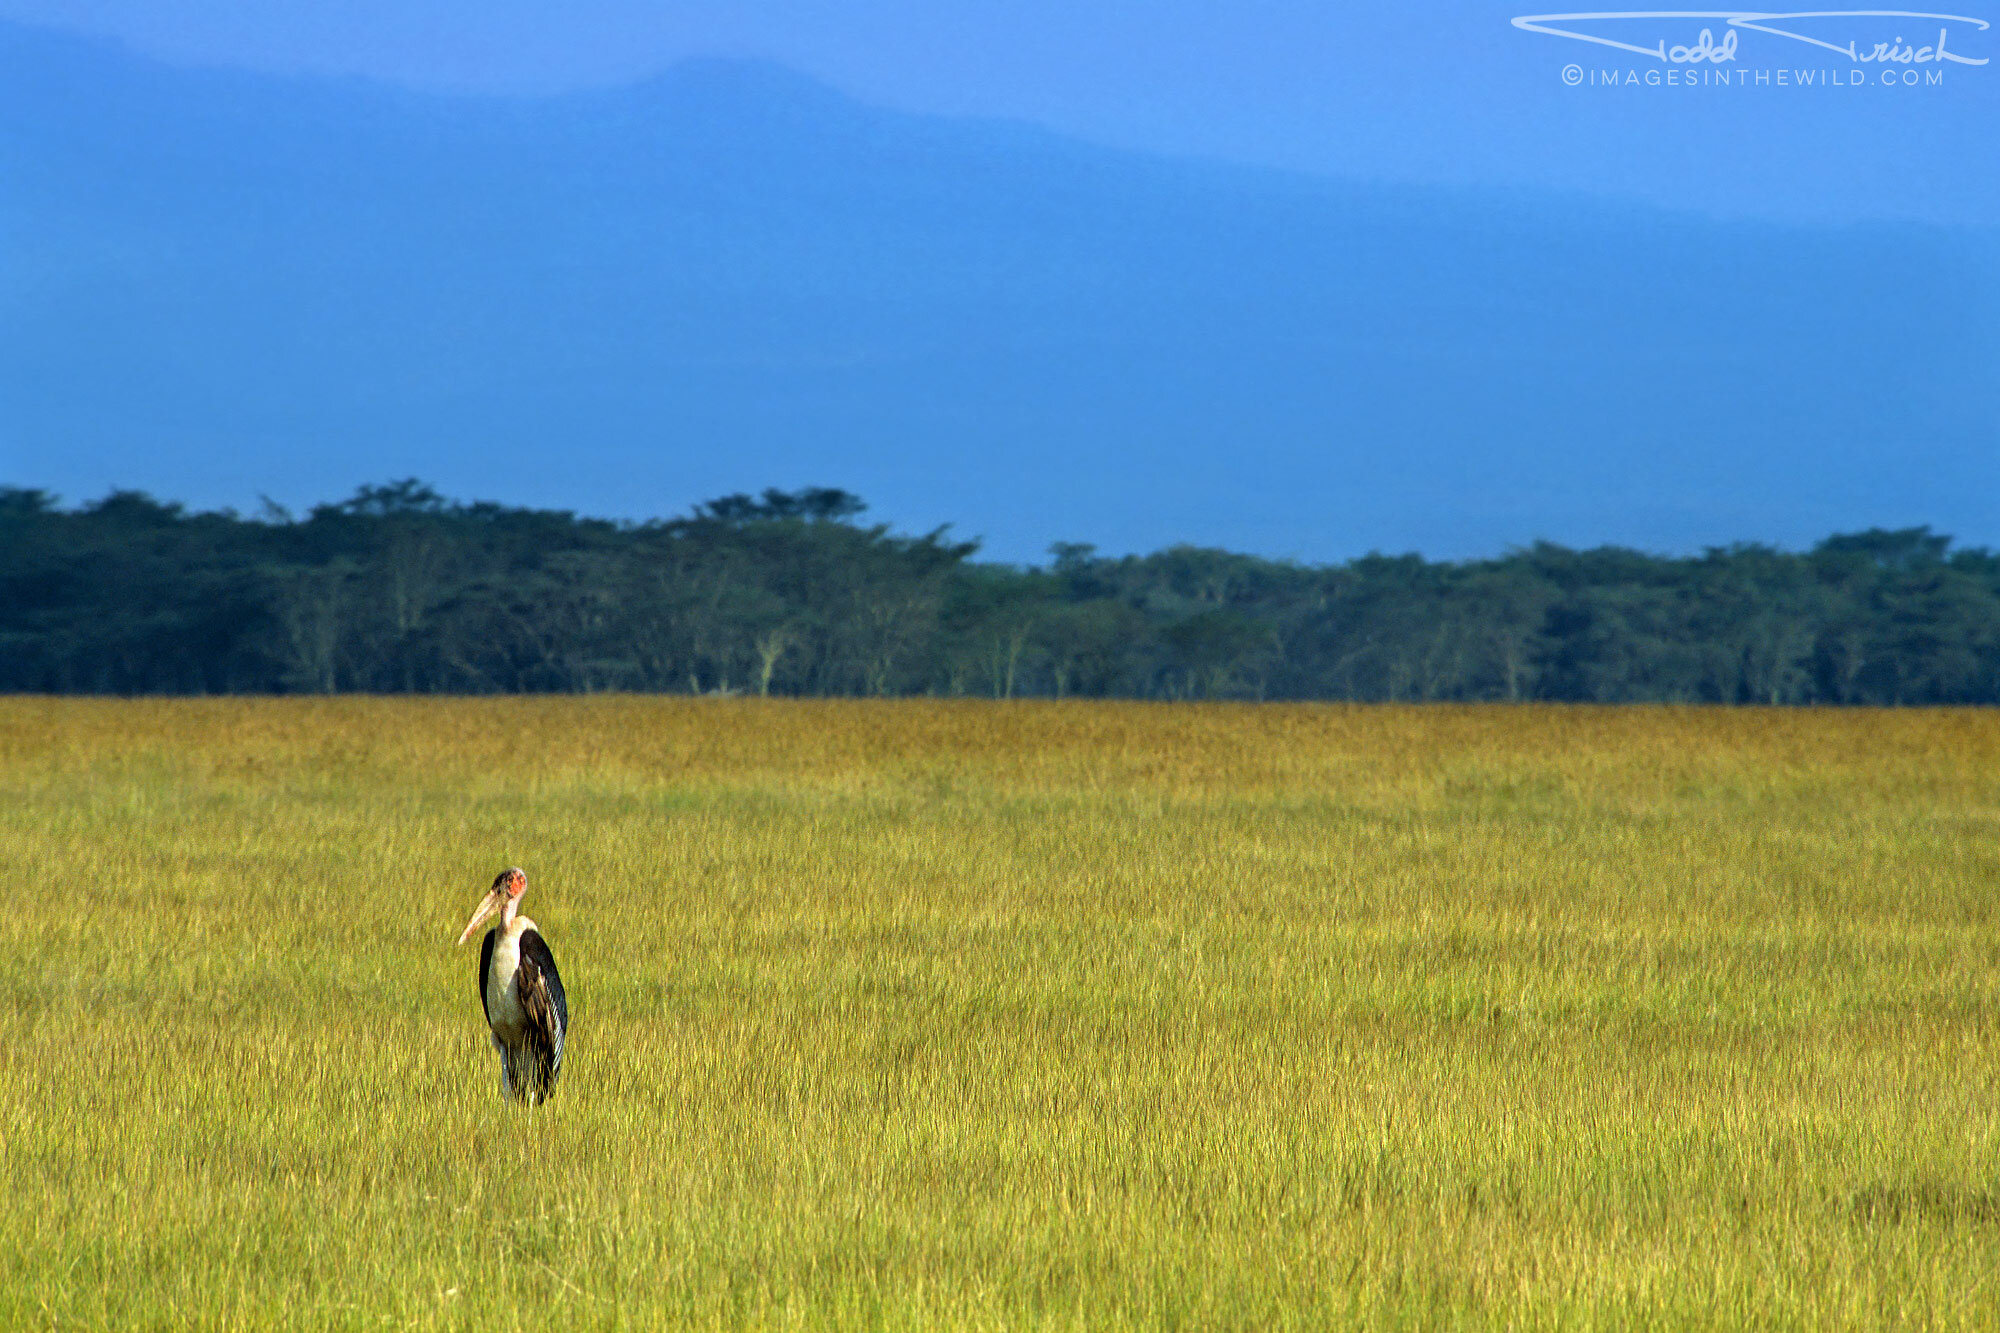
(485, 971)
(546, 1007)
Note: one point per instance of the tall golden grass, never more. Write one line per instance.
(917, 1014)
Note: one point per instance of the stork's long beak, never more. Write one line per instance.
(487, 907)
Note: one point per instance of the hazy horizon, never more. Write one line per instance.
(240, 274)
(1444, 96)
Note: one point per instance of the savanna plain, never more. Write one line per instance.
(920, 1014)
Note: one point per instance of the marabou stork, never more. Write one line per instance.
(520, 992)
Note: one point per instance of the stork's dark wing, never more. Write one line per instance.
(545, 1005)
(486, 970)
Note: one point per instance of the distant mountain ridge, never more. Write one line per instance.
(220, 283)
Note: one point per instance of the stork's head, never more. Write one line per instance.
(508, 886)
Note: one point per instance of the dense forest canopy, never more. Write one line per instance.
(398, 589)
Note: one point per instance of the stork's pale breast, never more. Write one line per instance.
(503, 986)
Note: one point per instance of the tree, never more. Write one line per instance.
(312, 605)
(399, 588)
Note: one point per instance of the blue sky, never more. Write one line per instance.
(276, 249)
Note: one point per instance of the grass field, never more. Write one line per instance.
(916, 1015)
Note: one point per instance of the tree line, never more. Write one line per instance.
(398, 589)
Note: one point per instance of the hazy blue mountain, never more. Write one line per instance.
(216, 284)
